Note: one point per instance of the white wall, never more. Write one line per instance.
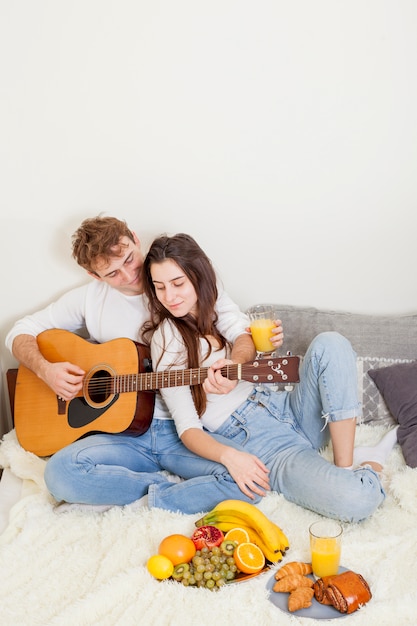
(282, 135)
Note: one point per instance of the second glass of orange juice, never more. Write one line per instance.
(326, 547)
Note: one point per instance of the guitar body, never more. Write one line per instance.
(44, 423)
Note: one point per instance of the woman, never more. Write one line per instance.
(282, 431)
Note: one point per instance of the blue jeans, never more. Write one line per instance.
(285, 429)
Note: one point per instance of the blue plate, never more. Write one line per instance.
(315, 611)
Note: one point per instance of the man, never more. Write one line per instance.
(108, 307)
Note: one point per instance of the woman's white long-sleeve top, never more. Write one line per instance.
(168, 350)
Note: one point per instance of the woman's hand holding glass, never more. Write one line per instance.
(277, 337)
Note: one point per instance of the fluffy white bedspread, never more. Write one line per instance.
(88, 568)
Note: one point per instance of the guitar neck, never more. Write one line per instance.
(268, 370)
(150, 381)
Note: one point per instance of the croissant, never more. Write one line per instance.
(295, 567)
(300, 598)
(291, 582)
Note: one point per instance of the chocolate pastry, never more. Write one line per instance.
(346, 592)
(320, 588)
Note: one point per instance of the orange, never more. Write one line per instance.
(177, 548)
(240, 535)
(249, 558)
(160, 566)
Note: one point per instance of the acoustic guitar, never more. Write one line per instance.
(118, 392)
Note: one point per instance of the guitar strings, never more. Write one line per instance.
(155, 380)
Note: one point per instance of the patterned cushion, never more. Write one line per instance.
(374, 408)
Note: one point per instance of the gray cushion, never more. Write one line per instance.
(383, 336)
(398, 385)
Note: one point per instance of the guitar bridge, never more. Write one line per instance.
(62, 406)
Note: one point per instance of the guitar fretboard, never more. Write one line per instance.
(149, 381)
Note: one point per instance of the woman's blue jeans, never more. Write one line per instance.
(286, 429)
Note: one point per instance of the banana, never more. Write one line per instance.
(254, 537)
(225, 526)
(270, 555)
(271, 534)
(229, 517)
(284, 539)
(240, 512)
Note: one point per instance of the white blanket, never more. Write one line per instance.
(89, 568)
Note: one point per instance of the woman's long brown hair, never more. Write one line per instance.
(187, 254)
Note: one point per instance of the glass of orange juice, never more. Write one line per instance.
(325, 547)
(261, 321)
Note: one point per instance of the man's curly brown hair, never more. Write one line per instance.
(98, 239)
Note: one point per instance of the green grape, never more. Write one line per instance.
(210, 569)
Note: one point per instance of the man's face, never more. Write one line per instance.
(123, 272)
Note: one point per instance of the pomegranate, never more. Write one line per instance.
(207, 537)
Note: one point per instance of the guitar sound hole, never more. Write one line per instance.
(100, 386)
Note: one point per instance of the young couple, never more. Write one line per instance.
(227, 439)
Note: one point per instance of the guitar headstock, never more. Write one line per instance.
(272, 370)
